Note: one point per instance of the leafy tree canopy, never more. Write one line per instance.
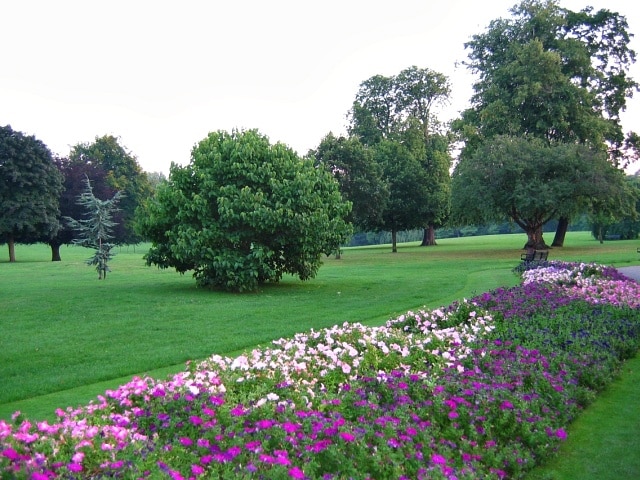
(75, 175)
(30, 185)
(245, 212)
(400, 109)
(529, 182)
(123, 173)
(552, 73)
(360, 178)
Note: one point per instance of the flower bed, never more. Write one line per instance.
(481, 389)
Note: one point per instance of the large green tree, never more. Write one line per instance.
(555, 74)
(359, 175)
(400, 109)
(528, 181)
(30, 186)
(244, 212)
(407, 182)
(123, 173)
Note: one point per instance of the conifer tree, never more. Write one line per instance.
(95, 230)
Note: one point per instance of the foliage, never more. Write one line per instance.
(29, 189)
(530, 182)
(449, 393)
(360, 178)
(399, 109)
(245, 212)
(551, 73)
(616, 217)
(75, 175)
(408, 188)
(123, 173)
(95, 229)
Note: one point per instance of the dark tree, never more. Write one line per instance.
(554, 74)
(360, 178)
(75, 175)
(123, 174)
(528, 181)
(30, 186)
(400, 109)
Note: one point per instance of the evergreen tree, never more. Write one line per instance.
(96, 229)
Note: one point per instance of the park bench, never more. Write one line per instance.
(535, 256)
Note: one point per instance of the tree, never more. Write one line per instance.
(245, 212)
(400, 109)
(95, 229)
(123, 174)
(615, 211)
(408, 192)
(30, 186)
(75, 175)
(360, 178)
(555, 74)
(528, 181)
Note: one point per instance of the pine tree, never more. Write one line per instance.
(95, 230)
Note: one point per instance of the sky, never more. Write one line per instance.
(161, 75)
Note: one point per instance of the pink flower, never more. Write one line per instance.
(10, 453)
(347, 437)
(296, 472)
(74, 467)
(197, 469)
(438, 459)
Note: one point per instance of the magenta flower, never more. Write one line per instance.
(238, 411)
(10, 453)
(296, 472)
(74, 467)
(438, 459)
(197, 469)
(347, 437)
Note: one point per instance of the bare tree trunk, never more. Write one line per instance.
(535, 240)
(429, 236)
(12, 249)
(561, 232)
(394, 241)
(55, 252)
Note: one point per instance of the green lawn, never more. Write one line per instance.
(66, 337)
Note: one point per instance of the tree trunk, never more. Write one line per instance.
(394, 241)
(12, 249)
(535, 240)
(429, 236)
(561, 232)
(55, 252)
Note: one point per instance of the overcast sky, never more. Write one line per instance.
(160, 75)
